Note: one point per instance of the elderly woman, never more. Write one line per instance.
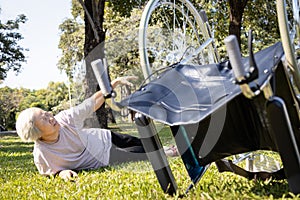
(62, 145)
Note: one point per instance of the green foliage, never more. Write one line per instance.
(54, 98)
(76, 10)
(19, 179)
(10, 101)
(71, 43)
(122, 51)
(56, 93)
(12, 55)
(124, 8)
(259, 15)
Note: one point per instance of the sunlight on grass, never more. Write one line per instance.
(19, 179)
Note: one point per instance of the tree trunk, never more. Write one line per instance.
(237, 8)
(94, 49)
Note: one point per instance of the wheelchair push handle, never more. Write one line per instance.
(235, 57)
(100, 71)
(242, 77)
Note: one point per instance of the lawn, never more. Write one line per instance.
(19, 179)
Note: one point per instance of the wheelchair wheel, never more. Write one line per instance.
(288, 13)
(289, 25)
(173, 31)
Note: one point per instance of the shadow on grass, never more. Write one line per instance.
(10, 144)
(15, 154)
(16, 148)
(272, 187)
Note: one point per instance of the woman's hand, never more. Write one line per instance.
(125, 80)
(99, 99)
(68, 175)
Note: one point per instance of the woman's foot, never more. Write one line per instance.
(171, 151)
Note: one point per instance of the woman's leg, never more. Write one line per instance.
(126, 148)
(125, 141)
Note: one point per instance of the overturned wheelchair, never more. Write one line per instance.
(213, 115)
(215, 110)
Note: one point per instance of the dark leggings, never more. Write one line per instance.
(126, 148)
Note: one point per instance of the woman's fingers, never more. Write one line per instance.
(125, 80)
(68, 175)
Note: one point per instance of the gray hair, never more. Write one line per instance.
(25, 125)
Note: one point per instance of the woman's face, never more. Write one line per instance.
(45, 122)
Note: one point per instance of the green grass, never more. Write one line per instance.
(19, 179)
